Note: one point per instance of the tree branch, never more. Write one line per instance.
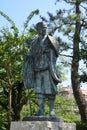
(66, 55)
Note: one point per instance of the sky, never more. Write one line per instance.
(18, 10)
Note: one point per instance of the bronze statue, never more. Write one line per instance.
(40, 68)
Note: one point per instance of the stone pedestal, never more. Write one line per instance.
(42, 123)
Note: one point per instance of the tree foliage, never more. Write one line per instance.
(71, 21)
(11, 83)
(13, 95)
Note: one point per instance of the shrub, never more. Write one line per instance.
(81, 126)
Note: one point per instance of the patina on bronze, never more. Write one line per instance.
(40, 68)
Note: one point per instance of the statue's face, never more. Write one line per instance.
(42, 30)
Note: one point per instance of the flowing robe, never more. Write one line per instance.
(40, 66)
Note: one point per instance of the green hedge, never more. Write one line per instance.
(81, 126)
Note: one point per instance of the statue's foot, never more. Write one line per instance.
(52, 113)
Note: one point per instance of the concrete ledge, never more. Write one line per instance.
(42, 125)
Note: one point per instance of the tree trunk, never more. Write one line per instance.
(9, 117)
(18, 100)
(81, 102)
(9, 107)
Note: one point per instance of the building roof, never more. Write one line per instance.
(69, 90)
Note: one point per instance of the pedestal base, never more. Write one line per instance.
(43, 118)
(42, 125)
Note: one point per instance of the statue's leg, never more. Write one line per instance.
(52, 105)
(40, 105)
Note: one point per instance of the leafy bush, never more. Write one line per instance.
(81, 126)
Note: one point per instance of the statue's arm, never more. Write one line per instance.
(52, 66)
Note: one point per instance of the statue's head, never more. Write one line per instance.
(41, 24)
(41, 28)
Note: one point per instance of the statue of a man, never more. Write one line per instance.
(40, 68)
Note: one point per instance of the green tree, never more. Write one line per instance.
(64, 107)
(71, 22)
(12, 93)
